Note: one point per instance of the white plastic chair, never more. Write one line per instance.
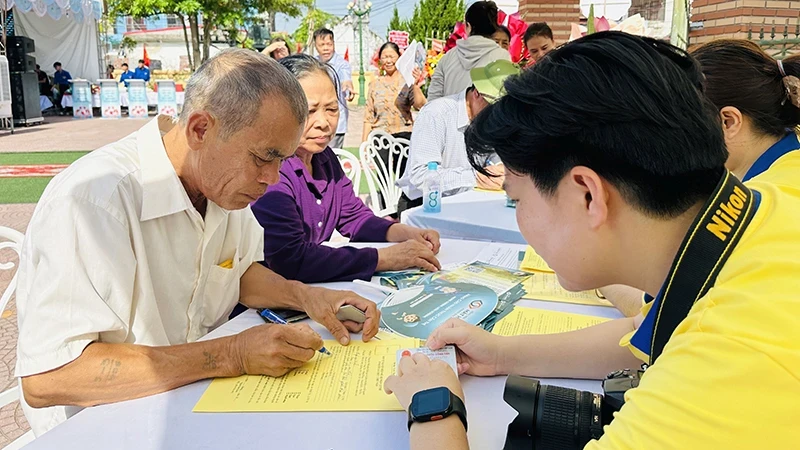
(351, 166)
(381, 178)
(14, 242)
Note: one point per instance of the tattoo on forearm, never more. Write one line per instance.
(210, 361)
(109, 369)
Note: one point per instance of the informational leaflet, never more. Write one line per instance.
(532, 262)
(418, 310)
(545, 286)
(541, 321)
(501, 255)
(350, 379)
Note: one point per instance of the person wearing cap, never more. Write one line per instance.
(438, 136)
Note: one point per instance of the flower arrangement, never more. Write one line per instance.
(431, 61)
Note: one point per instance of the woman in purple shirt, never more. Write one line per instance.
(314, 197)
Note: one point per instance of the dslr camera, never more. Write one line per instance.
(553, 417)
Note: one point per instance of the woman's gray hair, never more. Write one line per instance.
(302, 65)
(233, 85)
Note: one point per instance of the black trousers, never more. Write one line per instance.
(406, 203)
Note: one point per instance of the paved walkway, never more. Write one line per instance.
(64, 134)
(12, 421)
(59, 133)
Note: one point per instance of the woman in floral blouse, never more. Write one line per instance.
(390, 101)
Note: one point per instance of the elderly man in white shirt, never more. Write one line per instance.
(439, 136)
(143, 246)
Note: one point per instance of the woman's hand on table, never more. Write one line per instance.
(406, 255)
(478, 352)
(416, 373)
(400, 233)
(322, 304)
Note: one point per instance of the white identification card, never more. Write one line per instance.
(446, 354)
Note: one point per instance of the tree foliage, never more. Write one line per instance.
(396, 24)
(313, 20)
(211, 14)
(431, 17)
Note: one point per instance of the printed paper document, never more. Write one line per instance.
(350, 379)
(541, 321)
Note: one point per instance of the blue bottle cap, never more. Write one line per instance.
(433, 165)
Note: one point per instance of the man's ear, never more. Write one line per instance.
(584, 185)
(198, 126)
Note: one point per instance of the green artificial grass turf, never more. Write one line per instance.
(35, 158)
(29, 189)
(22, 190)
(364, 187)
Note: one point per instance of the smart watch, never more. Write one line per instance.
(435, 404)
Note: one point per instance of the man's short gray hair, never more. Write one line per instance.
(233, 85)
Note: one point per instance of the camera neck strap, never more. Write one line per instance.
(704, 251)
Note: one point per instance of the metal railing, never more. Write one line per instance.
(778, 46)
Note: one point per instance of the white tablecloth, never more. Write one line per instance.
(152, 99)
(475, 215)
(44, 102)
(166, 421)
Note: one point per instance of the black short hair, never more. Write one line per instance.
(390, 45)
(124, 65)
(537, 29)
(323, 32)
(56, 64)
(505, 30)
(627, 107)
(37, 67)
(482, 17)
(141, 61)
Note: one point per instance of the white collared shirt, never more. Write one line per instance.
(439, 136)
(116, 253)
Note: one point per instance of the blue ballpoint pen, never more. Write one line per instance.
(271, 317)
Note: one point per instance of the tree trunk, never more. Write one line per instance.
(207, 24)
(195, 40)
(186, 40)
(271, 21)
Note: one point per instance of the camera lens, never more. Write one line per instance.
(566, 418)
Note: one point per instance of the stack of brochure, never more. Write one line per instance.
(478, 293)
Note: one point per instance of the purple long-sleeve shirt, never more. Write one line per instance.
(300, 213)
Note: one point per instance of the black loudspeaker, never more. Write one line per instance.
(21, 63)
(25, 44)
(25, 96)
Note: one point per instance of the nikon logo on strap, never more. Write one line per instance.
(725, 216)
(702, 256)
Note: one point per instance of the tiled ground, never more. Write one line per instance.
(64, 134)
(12, 422)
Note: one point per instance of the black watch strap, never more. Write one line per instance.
(457, 408)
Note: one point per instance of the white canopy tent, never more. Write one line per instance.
(62, 30)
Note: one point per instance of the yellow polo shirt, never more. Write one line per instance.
(729, 377)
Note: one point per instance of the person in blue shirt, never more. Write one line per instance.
(127, 74)
(142, 72)
(61, 81)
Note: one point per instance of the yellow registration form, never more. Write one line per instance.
(540, 321)
(545, 286)
(532, 262)
(350, 379)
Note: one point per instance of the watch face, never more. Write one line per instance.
(430, 402)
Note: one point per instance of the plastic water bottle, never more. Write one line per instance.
(431, 194)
